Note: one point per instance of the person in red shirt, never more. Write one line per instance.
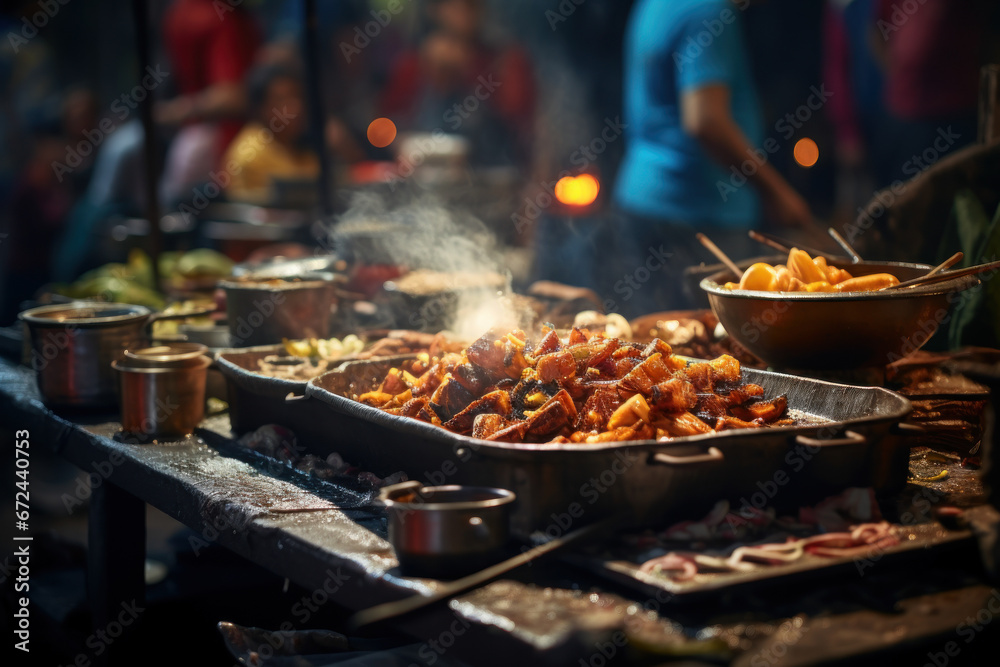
(211, 47)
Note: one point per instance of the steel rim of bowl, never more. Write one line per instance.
(177, 352)
(124, 368)
(311, 280)
(501, 497)
(393, 287)
(321, 264)
(40, 316)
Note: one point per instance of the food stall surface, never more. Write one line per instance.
(331, 537)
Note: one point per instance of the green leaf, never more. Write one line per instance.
(971, 222)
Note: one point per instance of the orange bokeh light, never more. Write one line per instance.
(381, 132)
(806, 152)
(577, 190)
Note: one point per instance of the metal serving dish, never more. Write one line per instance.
(256, 400)
(560, 486)
(823, 331)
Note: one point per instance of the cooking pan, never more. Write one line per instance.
(845, 438)
(823, 331)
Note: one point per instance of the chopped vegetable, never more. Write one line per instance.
(324, 348)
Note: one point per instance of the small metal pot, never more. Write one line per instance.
(162, 402)
(262, 310)
(447, 531)
(73, 346)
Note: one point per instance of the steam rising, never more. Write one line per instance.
(423, 234)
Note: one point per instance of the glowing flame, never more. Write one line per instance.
(806, 152)
(381, 132)
(577, 190)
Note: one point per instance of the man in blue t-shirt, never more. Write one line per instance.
(694, 158)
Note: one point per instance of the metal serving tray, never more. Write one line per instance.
(564, 485)
(257, 400)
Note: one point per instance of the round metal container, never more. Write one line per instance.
(824, 331)
(447, 531)
(73, 346)
(262, 310)
(172, 355)
(162, 402)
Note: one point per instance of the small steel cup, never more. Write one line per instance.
(162, 402)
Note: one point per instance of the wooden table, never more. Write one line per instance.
(561, 616)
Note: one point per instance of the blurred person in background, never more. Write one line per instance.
(210, 52)
(28, 77)
(856, 108)
(692, 121)
(456, 82)
(79, 116)
(211, 47)
(39, 207)
(931, 55)
(354, 65)
(285, 53)
(270, 147)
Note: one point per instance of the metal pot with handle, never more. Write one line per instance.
(74, 344)
(444, 531)
(262, 310)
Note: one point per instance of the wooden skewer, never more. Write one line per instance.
(945, 276)
(784, 246)
(947, 264)
(842, 242)
(723, 257)
(768, 241)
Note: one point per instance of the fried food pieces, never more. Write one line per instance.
(589, 388)
(803, 273)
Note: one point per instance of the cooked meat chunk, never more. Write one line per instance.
(674, 395)
(495, 402)
(486, 425)
(556, 366)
